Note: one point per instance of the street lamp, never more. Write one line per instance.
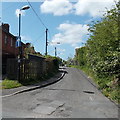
(55, 47)
(25, 7)
(20, 47)
(54, 43)
(19, 37)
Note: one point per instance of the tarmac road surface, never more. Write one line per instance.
(74, 96)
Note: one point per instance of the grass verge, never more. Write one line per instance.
(108, 85)
(9, 84)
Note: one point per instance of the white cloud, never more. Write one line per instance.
(70, 33)
(18, 11)
(26, 39)
(81, 7)
(56, 7)
(78, 47)
(93, 7)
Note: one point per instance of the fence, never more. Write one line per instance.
(34, 67)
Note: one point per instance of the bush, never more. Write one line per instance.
(101, 53)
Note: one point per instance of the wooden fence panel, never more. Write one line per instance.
(30, 68)
(12, 69)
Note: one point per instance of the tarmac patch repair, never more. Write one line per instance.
(48, 108)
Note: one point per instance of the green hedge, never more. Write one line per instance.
(102, 51)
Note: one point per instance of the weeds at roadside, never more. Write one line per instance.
(8, 84)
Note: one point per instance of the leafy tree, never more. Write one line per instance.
(29, 49)
(102, 51)
(103, 44)
(81, 56)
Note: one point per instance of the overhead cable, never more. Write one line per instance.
(37, 15)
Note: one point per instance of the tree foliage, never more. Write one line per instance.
(29, 49)
(101, 54)
(102, 50)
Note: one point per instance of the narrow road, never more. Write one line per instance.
(74, 96)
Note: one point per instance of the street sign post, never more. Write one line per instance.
(18, 41)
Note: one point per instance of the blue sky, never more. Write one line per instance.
(66, 21)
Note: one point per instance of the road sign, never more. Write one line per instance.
(18, 41)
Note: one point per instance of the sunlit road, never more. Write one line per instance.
(74, 96)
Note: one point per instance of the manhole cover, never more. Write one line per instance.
(89, 92)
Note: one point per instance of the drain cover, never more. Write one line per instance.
(89, 92)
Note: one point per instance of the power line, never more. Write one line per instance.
(37, 15)
(41, 23)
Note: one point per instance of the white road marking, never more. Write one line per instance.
(91, 98)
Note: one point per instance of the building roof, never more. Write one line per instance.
(33, 57)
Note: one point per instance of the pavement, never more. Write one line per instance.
(14, 91)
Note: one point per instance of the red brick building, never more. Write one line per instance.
(8, 42)
(9, 49)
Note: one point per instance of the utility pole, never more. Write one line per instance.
(46, 42)
(55, 52)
